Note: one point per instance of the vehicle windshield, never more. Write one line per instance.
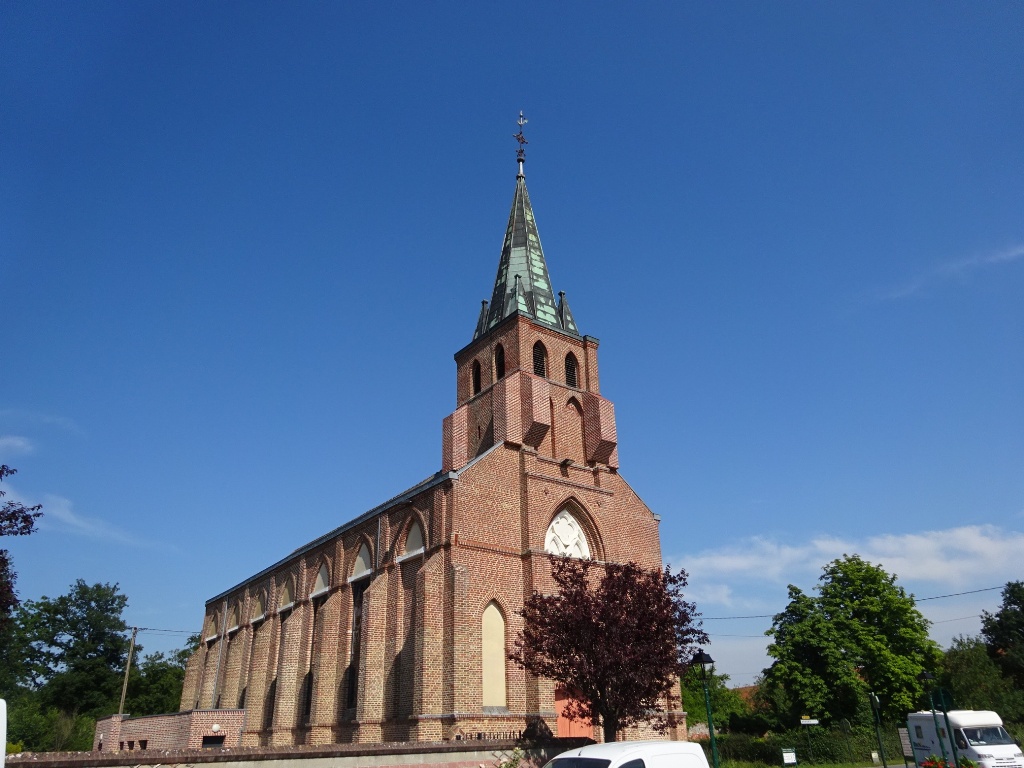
(987, 736)
(578, 762)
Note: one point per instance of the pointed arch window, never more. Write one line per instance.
(212, 628)
(492, 653)
(233, 619)
(363, 564)
(476, 377)
(499, 362)
(322, 583)
(540, 360)
(566, 537)
(287, 599)
(570, 370)
(413, 540)
(259, 608)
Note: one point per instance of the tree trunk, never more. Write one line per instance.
(610, 728)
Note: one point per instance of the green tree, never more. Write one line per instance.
(725, 702)
(77, 648)
(618, 638)
(1004, 632)
(155, 684)
(860, 633)
(976, 682)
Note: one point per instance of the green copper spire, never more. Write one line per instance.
(523, 284)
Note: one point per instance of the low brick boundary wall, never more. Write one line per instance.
(446, 754)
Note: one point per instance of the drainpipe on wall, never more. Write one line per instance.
(376, 551)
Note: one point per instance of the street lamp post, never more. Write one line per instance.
(706, 665)
(876, 707)
(929, 679)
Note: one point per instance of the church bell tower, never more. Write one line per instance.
(528, 378)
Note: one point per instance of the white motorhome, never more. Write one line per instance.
(979, 735)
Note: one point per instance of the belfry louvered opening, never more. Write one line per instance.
(570, 370)
(476, 377)
(540, 360)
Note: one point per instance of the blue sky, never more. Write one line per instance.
(240, 243)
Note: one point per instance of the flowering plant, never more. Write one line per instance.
(934, 761)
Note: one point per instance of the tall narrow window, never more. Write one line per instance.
(476, 377)
(352, 673)
(318, 601)
(540, 360)
(570, 370)
(493, 657)
(499, 362)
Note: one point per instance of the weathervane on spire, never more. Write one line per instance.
(521, 153)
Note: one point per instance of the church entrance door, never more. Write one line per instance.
(569, 728)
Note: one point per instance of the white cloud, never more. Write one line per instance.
(748, 578)
(955, 558)
(59, 516)
(14, 445)
(949, 270)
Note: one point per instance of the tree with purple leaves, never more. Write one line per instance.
(618, 636)
(16, 519)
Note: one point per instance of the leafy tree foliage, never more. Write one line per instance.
(860, 633)
(976, 682)
(618, 636)
(77, 648)
(15, 520)
(1004, 632)
(62, 664)
(726, 704)
(155, 683)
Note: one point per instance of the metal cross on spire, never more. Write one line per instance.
(521, 152)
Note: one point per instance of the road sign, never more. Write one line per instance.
(808, 721)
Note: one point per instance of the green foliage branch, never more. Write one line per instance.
(1004, 633)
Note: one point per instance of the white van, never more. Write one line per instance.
(979, 735)
(633, 754)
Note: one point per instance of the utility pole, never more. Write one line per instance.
(127, 668)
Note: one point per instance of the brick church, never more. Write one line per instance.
(396, 625)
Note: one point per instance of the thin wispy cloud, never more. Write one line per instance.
(60, 517)
(954, 559)
(950, 270)
(37, 417)
(15, 445)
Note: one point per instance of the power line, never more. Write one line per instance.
(917, 599)
(957, 594)
(166, 631)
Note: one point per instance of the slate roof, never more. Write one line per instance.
(523, 284)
